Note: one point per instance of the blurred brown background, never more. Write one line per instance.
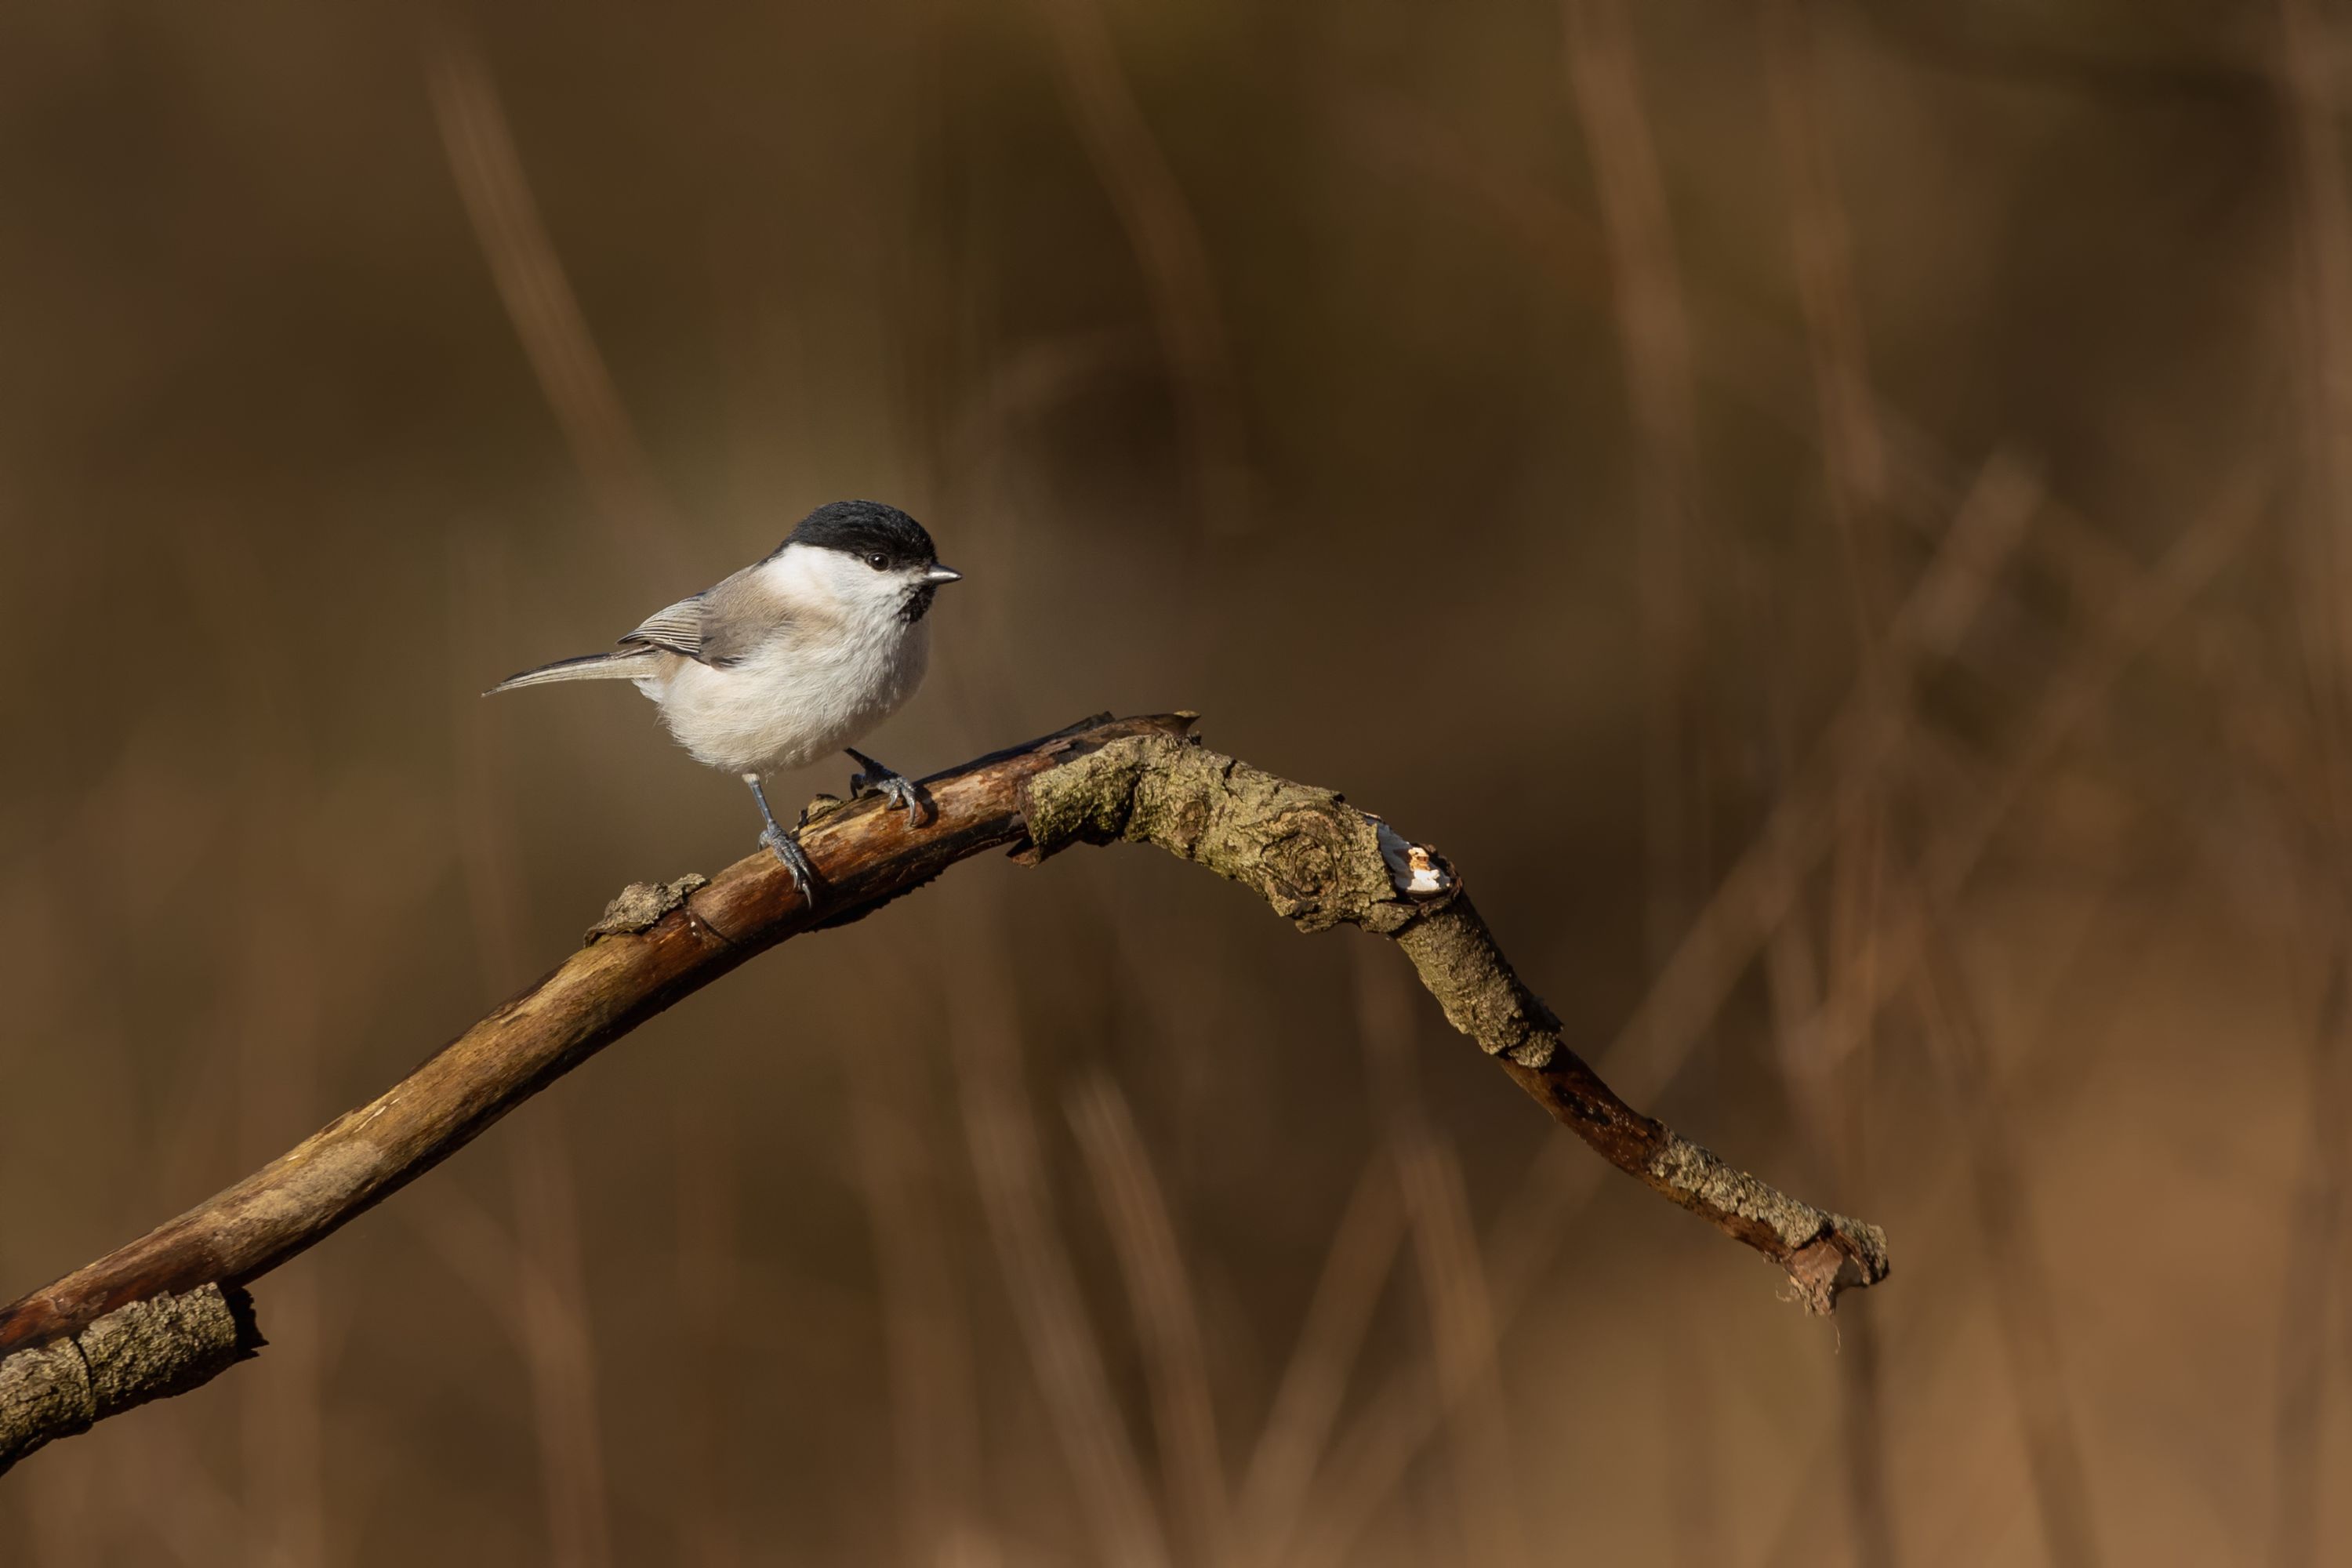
(1605, 439)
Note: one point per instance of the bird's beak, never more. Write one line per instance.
(938, 573)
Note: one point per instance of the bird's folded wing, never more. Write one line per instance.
(718, 625)
(680, 629)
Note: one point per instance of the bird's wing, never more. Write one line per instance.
(719, 626)
(678, 628)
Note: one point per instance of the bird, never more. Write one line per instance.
(796, 656)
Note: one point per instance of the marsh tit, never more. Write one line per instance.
(790, 658)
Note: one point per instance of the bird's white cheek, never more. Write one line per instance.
(869, 592)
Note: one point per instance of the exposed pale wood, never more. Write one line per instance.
(686, 938)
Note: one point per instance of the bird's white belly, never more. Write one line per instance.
(790, 703)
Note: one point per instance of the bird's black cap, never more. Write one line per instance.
(866, 529)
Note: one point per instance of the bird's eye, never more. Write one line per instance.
(877, 561)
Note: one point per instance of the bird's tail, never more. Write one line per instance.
(628, 664)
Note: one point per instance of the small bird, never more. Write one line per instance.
(795, 656)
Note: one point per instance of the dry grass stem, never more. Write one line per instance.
(1298, 1427)
(1160, 1295)
(552, 1331)
(1655, 343)
(709, 1284)
(934, 1417)
(1463, 1334)
(539, 298)
(2023, 1299)
(1166, 238)
(1065, 1354)
(2319, 574)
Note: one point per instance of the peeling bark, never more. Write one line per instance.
(147, 1350)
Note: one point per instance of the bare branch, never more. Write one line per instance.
(1319, 862)
(1316, 859)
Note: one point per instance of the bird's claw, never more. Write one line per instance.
(892, 786)
(787, 849)
(899, 792)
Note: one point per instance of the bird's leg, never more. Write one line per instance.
(783, 845)
(877, 779)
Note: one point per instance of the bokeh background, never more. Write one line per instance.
(1832, 512)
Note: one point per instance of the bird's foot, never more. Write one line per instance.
(786, 847)
(891, 786)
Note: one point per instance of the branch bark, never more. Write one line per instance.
(168, 1311)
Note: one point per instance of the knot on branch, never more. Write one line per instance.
(1318, 860)
(639, 905)
(147, 1350)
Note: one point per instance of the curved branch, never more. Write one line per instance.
(1316, 859)
(1319, 861)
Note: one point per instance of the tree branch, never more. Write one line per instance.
(168, 1311)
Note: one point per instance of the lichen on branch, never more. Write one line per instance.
(1311, 855)
(162, 1345)
(1319, 862)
